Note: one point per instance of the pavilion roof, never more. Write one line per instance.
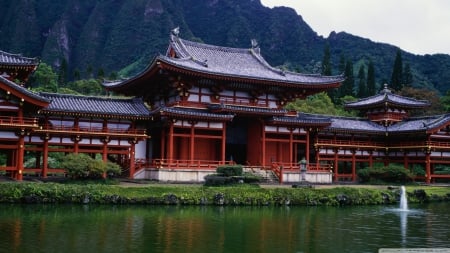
(420, 124)
(356, 125)
(302, 119)
(240, 109)
(229, 63)
(79, 105)
(21, 92)
(16, 59)
(191, 113)
(385, 98)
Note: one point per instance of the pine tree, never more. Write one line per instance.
(407, 75)
(62, 73)
(397, 72)
(349, 83)
(371, 89)
(362, 87)
(326, 61)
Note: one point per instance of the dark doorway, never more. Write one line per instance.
(236, 144)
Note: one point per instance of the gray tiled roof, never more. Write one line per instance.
(339, 124)
(191, 113)
(23, 90)
(100, 106)
(421, 124)
(302, 119)
(246, 109)
(386, 96)
(231, 63)
(16, 59)
(236, 62)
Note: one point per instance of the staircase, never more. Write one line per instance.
(267, 176)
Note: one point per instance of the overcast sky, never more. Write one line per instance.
(416, 26)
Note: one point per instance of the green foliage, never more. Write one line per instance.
(79, 166)
(87, 87)
(44, 79)
(397, 72)
(442, 170)
(319, 103)
(229, 170)
(390, 174)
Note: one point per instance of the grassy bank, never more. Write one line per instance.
(156, 194)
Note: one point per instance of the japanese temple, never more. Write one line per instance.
(199, 106)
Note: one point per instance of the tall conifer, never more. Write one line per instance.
(371, 89)
(362, 87)
(397, 72)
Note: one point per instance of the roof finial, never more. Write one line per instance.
(254, 43)
(386, 89)
(176, 31)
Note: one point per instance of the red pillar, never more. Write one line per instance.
(307, 145)
(45, 157)
(336, 164)
(192, 143)
(428, 167)
(20, 155)
(263, 143)
(224, 141)
(353, 165)
(132, 159)
(170, 144)
(291, 141)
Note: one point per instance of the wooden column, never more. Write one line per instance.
(307, 145)
(405, 160)
(291, 143)
(163, 144)
(336, 164)
(224, 141)
(428, 166)
(132, 156)
(192, 143)
(353, 165)
(105, 153)
(370, 158)
(263, 143)
(170, 144)
(45, 156)
(20, 155)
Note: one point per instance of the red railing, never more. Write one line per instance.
(185, 164)
(350, 143)
(17, 121)
(96, 130)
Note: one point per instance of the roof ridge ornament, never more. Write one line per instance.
(255, 46)
(386, 89)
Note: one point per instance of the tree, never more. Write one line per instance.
(87, 87)
(326, 61)
(407, 75)
(427, 95)
(371, 89)
(349, 83)
(397, 72)
(362, 87)
(44, 79)
(62, 73)
(319, 103)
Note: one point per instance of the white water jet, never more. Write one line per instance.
(403, 200)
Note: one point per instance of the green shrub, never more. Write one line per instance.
(82, 166)
(230, 170)
(392, 174)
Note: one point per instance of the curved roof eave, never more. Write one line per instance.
(22, 92)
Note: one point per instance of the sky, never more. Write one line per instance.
(416, 26)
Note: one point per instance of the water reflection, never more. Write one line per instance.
(219, 229)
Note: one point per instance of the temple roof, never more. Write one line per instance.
(21, 92)
(347, 124)
(420, 124)
(191, 113)
(246, 109)
(385, 98)
(95, 106)
(302, 119)
(229, 63)
(16, 59)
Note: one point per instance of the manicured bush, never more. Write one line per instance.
(230, 170)
(79, 166)
(391, 174)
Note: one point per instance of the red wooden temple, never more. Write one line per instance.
(200, 106)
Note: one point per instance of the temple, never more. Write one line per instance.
(199, 106)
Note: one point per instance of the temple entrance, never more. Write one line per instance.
(236, 144)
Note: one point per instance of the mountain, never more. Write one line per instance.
(120, 35)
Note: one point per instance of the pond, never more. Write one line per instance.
(95, 228)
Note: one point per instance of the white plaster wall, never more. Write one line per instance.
(310, 177)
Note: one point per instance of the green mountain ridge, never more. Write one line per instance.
(114, 35)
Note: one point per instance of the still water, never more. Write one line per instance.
(75, 228)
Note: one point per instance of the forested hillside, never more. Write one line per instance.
(107, 36)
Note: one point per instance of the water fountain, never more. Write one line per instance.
(403, 199)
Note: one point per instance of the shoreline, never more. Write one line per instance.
(155, 193)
